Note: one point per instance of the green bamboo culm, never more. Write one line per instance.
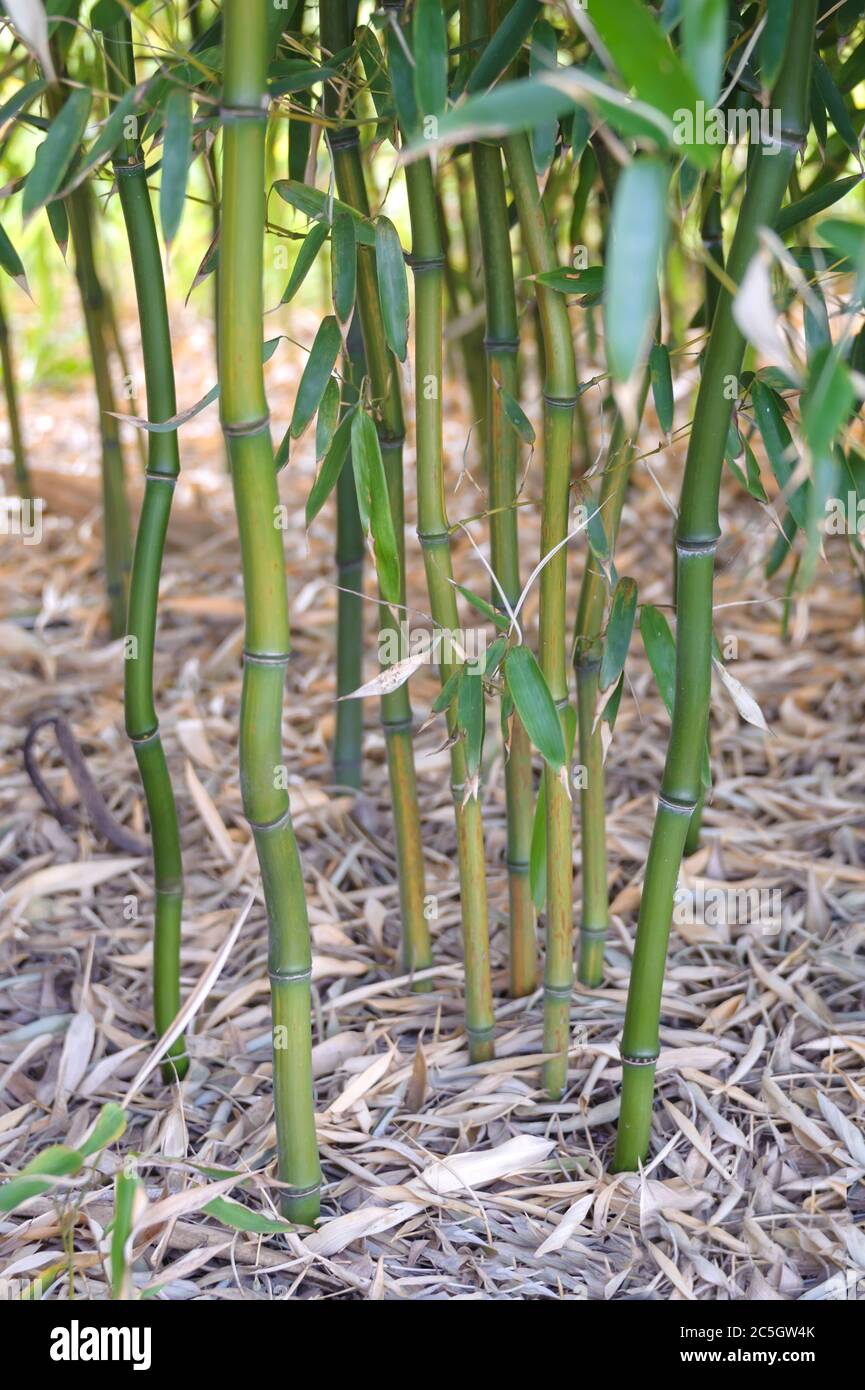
(428, 266)
(696, 540)
(382, 369)
(20, 472)
(713, 243)
(246, 426)
(348, 734)
(560, 397)
(501, 345)
(588, 650)
(163, 466)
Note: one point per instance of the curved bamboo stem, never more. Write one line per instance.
(246, 425)
(382, 369)
(16, 439)
(560, 397)
(696, 540)
(163, 466)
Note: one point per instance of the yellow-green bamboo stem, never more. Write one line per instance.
(383, 375)
(246, 424)
(20, 472)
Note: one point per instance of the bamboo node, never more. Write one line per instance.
(294, 1193)
(227, 114)
(151, 477)
(481, 1034)
(639, 1061)
(397, 726)
(502, 344)
(422, 263)
(559, 992)
(140, 739)
(289, 976)
(698, 547)
(431, 538)
(124, 169)
(265, 827)
(246, 427)
(266, 658)
(345, 138)
(518, 866)
(564, 402)
(678, 808)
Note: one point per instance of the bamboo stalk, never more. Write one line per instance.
(348, 736)
(20, 471)
(163, 466)
(560, 397)
(383, 374)
(246, 425)
(501, 345)
(428, 266)
(696, 540)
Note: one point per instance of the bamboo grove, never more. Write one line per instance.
(539, 209)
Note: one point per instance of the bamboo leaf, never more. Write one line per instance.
(296, 75)
(127, 1188)
(56, 152)
(372, 61)
(516, 416)
(623, 611)
(316, 374)
(741, 697)
(11, 262)
(501, 621)
(834, 103)
(310, 247)
(110, 1124)
(40, 1175)
(535, 705)
(471, 721)
(343, 268)
(168, 426)
(389, 679)
(58, 221)
(661, 651)
(639, 230)
(31, 24)
(240, 1218)
(448, 692)
(587, 284)
(504, 44)
(374, 503)
(543, 57)
(401, 73)
(392, 286)
(773, 40)
(331, 468)
(812, 203)
(662, 386)
(319, 207)
(326, 421)
(430, 49)
(176, 155)
(107, 140)
(780, 449)
(21, 99)
(648, 63)
(704, 44)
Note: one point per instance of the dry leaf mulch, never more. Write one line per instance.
(441, 1180)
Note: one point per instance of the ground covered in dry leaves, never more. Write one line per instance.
(441, 1180)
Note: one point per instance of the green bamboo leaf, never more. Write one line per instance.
(58, 221)
(374, 503)
(827, 403)
(21, 99)
(319, 207)
(56, 152)
(176, 155)
(535, 705)
(343, 268)
(504, 45)
(310, 247)
(494, 655)
(374, 71)
(623, 611)
(773, 40)
(392, 286)
(331, 468)
(471, 719)
(168, 426)
(852, 69)
(240, 1218)
(11, 262)
(107, 140)
(448, 692)
(661, 650)
(704, 44)
(639, 232)
(648, 63)
(662, 386)
(500, 619)
(109, 1125)
(295, 75)
(779, 447)
(611, 708)
(516, 416)
(430, 49)
(316, 374)
(834, 103)
(543, 57)
(326, 421)
(753, 481)
(401, 73)
(40, 1175)
(587, 284)
(812, 203)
